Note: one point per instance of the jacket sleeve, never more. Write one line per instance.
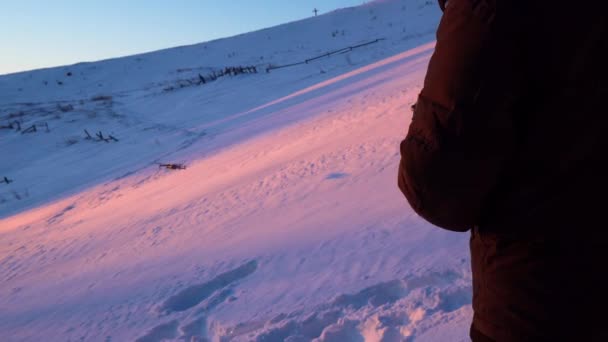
(459, 137)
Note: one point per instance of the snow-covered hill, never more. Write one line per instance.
(286, 225)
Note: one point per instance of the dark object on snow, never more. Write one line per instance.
(88, 137)
(325, 55)
(173, 166)
(508, 140)
(7, 181)
(66, 108)
(30, 129)
(12, 125)
(101, 98)
(100, 137)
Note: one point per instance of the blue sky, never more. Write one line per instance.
(43, 33)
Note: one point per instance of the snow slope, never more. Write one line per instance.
(287, 224)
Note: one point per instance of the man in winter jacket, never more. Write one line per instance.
(509, 139)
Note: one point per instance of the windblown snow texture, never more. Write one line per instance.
(286, 224)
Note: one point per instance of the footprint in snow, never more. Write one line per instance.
(195, 294)
(210, 294)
